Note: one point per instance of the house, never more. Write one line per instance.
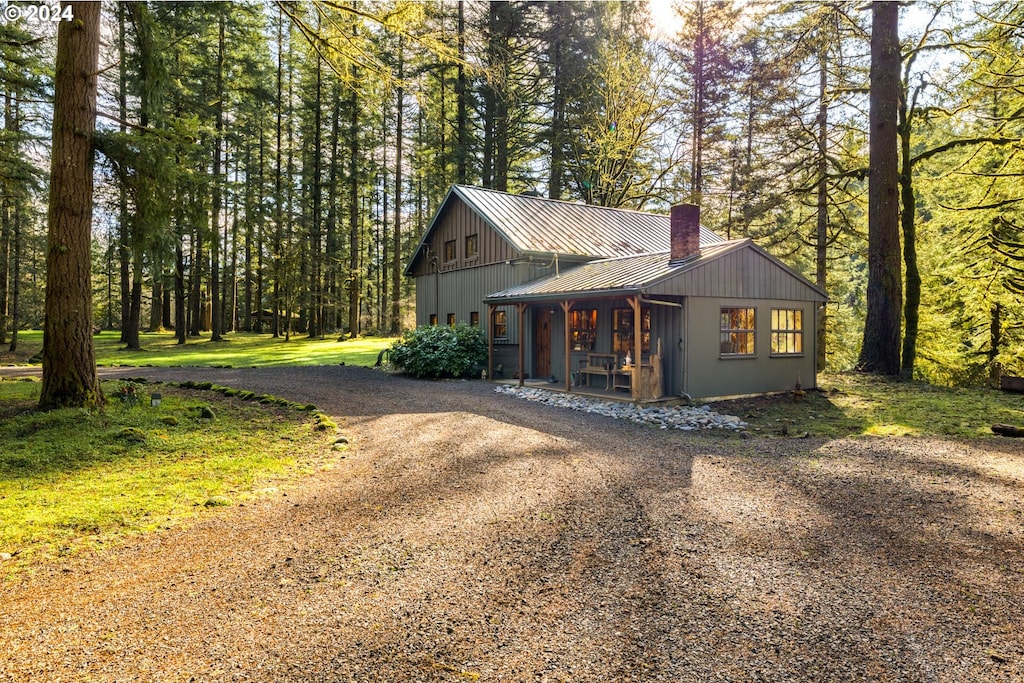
(568, 291)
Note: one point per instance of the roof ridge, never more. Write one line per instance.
(566, 202)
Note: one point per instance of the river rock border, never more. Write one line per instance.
(686, 418)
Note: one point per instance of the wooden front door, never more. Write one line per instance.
(542, 342)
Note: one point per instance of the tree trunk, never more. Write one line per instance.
(69, 361)
(278, 264)
(15, 304)
(123, 252)
(180, 324)
(908, 216)
(316, 293)
(354, 276)
(557, 12)
(333, 243)
(216, 317)
(821, 236)
(461, 103)
(995, 342)
(880, 352)
(396, 250)
(7, 209)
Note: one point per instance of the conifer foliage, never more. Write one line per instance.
(268, 167)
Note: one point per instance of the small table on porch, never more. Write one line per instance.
(649, 378)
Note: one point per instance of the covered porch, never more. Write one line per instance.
(599, 346)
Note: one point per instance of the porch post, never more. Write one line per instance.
(566, 307)
(634, 384)
(522, 341)
(490, 342)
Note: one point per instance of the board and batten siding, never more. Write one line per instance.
(458, 222)
(462, 292)
(745, 273)
(710, 374)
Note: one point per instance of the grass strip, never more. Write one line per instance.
(73, 479)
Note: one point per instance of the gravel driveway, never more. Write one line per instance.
(474, 536)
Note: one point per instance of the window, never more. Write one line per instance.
(451, 320)
(471, 246)
(582, 329)
(474, 318)
(433, 319)
(787, 331)
(449, 250)
(737, 332)
(622, 330)
(500, 328)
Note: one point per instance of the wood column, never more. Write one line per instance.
(522, 341)
(566, 307)
(634, 383)
(490, 342)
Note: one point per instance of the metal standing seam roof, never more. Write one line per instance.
(537, 224)
(615, 275)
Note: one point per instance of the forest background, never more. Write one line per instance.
(269, 167)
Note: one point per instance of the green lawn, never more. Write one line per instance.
(73, 479)
(238, 350)
(853, 404)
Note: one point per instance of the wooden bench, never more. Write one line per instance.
(599, 364)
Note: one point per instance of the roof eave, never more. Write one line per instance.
(578, 295)
(430, 229)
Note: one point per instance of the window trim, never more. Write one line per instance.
(475, 253)
(726, 334)
(451, 320)
(474, 318)
(627, 341)
(583, 332)
(433, 320)
(495, 325)
(454, 251)
(796, 332)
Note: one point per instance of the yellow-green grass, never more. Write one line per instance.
(238, 350)
(854, 404)
(73, 479)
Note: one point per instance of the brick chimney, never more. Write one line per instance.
(685, 231)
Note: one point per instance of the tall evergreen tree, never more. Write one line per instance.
(69, 361)
(880, 351)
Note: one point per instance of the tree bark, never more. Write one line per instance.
(69, 360)
(396, 250)
(216, 316)
(880, 352)
(7, 211)
(821, 236)
(908, 217)
(355, 279)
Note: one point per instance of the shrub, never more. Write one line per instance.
(436, 351)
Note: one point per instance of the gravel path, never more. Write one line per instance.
(471, 536)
